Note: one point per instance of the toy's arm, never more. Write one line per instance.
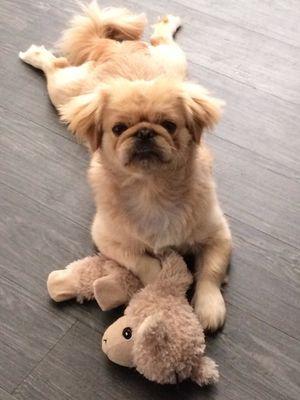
(174, 277)
(94, 277)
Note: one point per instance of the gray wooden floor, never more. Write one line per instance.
(247, 52)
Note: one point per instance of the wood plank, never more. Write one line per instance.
(35, 241)
(256, 361)
(279, 19)
(258, 61)
(252, 366)
(5, 395)
(28, 332)
(32, 157)
(253, 192)
(258, 121)
(264, 279)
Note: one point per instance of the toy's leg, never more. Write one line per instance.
(164, 46)
(63, 80)
(211, 269)
(76, 280)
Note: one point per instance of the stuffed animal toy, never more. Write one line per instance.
(159, 334)
(94, 277)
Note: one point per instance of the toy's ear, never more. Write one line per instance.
(205, 372)
(153, 332)
(202, 110)
(83, 115)
(152, 351)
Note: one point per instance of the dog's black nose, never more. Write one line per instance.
(145, 133)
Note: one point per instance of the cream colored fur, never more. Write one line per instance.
(143, 207)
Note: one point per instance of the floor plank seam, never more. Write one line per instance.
(5, 391)
(68, 138)
(218, 18)
(32, 296)
(45, 355)
(248, 85)
(288, 263)
(261, 231)
(45, 206)
(245, 312)
(263, 157)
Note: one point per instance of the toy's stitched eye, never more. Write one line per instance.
(169, 126)
(127, 333)
(119, 128)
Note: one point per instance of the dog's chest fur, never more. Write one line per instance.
(158, 219)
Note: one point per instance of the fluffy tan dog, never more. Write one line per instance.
(150, 172)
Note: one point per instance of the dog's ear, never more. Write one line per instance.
(202, 111)
(83, 116)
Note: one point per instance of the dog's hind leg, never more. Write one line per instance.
(164, 47)
(63, 80)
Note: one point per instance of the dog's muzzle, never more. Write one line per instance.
(145, 147)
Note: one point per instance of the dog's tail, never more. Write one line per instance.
(80, 42)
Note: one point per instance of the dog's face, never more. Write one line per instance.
(143, 125)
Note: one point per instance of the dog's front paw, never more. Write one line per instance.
(209, 306)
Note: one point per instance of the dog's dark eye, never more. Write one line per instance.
(169, 126)
(119, 128)
(127, 333)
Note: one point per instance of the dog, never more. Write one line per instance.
(143, 122)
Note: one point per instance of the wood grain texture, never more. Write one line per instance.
(5, 395)
(252, 366)
(248, 54)
(28, 332)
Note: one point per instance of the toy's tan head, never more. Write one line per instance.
(117, 342)
(160, 334)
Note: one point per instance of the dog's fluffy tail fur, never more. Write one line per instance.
(86, 31)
